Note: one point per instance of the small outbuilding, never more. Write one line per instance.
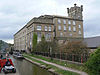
(92, 42)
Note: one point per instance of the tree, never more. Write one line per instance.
(44, 46)
(76, 47)
(34, 41)
(55, 46)
(43, 38)
(93, 63)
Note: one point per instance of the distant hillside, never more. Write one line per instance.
(3, 45)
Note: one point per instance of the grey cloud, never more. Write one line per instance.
(14, 14)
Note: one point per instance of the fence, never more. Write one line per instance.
(64, 56)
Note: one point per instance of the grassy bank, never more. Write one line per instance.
(48, 66)
(63, 63)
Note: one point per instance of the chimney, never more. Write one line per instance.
(68, 10)
(81, 7)
(75, 5)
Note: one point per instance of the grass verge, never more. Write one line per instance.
(62, 63)
(48, 66)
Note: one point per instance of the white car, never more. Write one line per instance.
(9, 69)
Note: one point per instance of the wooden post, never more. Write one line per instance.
(60, 55)
(72, 57)
(81, 59)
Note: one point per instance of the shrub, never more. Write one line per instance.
(44, 46)
(93, 64)
(76, 47)
(34, 41)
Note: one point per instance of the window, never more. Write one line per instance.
(33, 28)
(79, 26)
(38, 36)
(61, 34)
(69, 28)
(70, 34)
(46, 28)
(74, 28)
(79, 17)
(74, 23)
(38, 27)
(59, 27)
(64, 27)
(47, 36)
(64, 21)
(69, 22)
(49, 28)
(59, 21)
(80, 32)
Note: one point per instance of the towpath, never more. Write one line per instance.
(61, 67)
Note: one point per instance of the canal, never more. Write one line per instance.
(24, 67)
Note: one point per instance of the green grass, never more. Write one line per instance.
(48, 66)
(63, 63)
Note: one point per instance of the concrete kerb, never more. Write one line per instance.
(42, 66)
(62, 67)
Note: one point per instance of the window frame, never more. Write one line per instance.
(69, 28)
(65, 28)
(79, 26)
(64, 21)
(50, 29)
(79, 32)
(59, 27)
(61, 34)
(39, 28)
(46, 28)
(74, 22)
(74, 28)
(59, 21)
(69, 21)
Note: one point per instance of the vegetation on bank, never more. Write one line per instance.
(48, 66)
(34, 42)
(71, 47)
(62, 63)
(93, 64)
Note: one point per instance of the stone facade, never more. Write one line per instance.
(51, 26)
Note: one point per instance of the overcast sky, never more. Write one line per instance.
(14, 14)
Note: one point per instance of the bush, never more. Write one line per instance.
(34, 41)
(93, 64)
(76, 47)
(44, 46)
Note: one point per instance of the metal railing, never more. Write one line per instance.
(64, 56)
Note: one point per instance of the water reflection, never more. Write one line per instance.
(26, 68)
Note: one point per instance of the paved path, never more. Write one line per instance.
(61, 67)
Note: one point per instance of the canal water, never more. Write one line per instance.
(24, 67)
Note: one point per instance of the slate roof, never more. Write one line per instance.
(92, 41)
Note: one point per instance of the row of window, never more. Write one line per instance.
(47, 36)
(64, 22)
(74, 28)
(61, 34)
(46, 28)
